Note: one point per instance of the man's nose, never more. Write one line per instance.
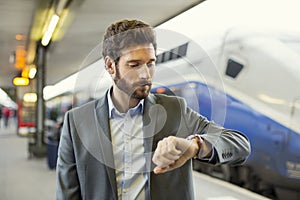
(144, 72)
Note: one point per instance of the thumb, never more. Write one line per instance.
(159, 170)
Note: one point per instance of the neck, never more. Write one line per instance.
(122, 101)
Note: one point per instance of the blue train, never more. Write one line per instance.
(249, 82)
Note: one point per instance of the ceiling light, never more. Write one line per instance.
(51, 27)
(30, 97)
(25, 73)
(32, 72)
(20, 37)
(20, 81)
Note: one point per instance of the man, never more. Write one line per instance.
(131, 144)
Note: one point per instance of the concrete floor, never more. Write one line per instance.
(20, 177)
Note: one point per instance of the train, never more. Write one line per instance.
(249, 82)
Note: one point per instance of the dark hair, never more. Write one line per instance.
(125, 33)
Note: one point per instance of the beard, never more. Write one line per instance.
(139, 90)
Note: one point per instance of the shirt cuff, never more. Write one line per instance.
(211, 159)
(201, 140)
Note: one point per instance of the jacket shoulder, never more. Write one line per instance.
(168, 99)
(87, 106)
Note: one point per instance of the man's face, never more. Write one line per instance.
(135, 70)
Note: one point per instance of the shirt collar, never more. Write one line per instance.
(113, 112)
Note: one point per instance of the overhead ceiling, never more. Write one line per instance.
(88, 19)
(15, 18)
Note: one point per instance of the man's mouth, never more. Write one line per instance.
(143, 83)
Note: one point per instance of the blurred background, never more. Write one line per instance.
(237, 62)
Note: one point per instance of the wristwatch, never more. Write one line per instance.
(199, 142)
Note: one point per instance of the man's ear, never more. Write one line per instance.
(109, 65)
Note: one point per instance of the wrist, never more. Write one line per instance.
(196, 144)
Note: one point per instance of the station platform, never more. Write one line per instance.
(31, 179)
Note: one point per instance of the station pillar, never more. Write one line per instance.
(40, 148)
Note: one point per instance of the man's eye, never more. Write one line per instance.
(133, 65)
(152, 64)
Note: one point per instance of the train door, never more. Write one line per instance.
(293, 147)
(295, 115)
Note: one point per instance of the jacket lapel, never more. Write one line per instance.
(148, 131)
(101, 120)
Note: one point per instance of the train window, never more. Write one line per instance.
(182, 50)
(233, 68)
(173, 54)
(159, 58)
(167, 56)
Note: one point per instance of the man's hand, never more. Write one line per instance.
(172, 152)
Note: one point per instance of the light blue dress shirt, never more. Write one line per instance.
(128, 151)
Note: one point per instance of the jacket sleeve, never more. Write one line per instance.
(229, 146)
(67, 184)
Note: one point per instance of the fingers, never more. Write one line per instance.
(176, 164)
(172, 152)
(166, 153)
(158, 170)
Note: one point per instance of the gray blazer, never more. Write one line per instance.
(85, 167)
